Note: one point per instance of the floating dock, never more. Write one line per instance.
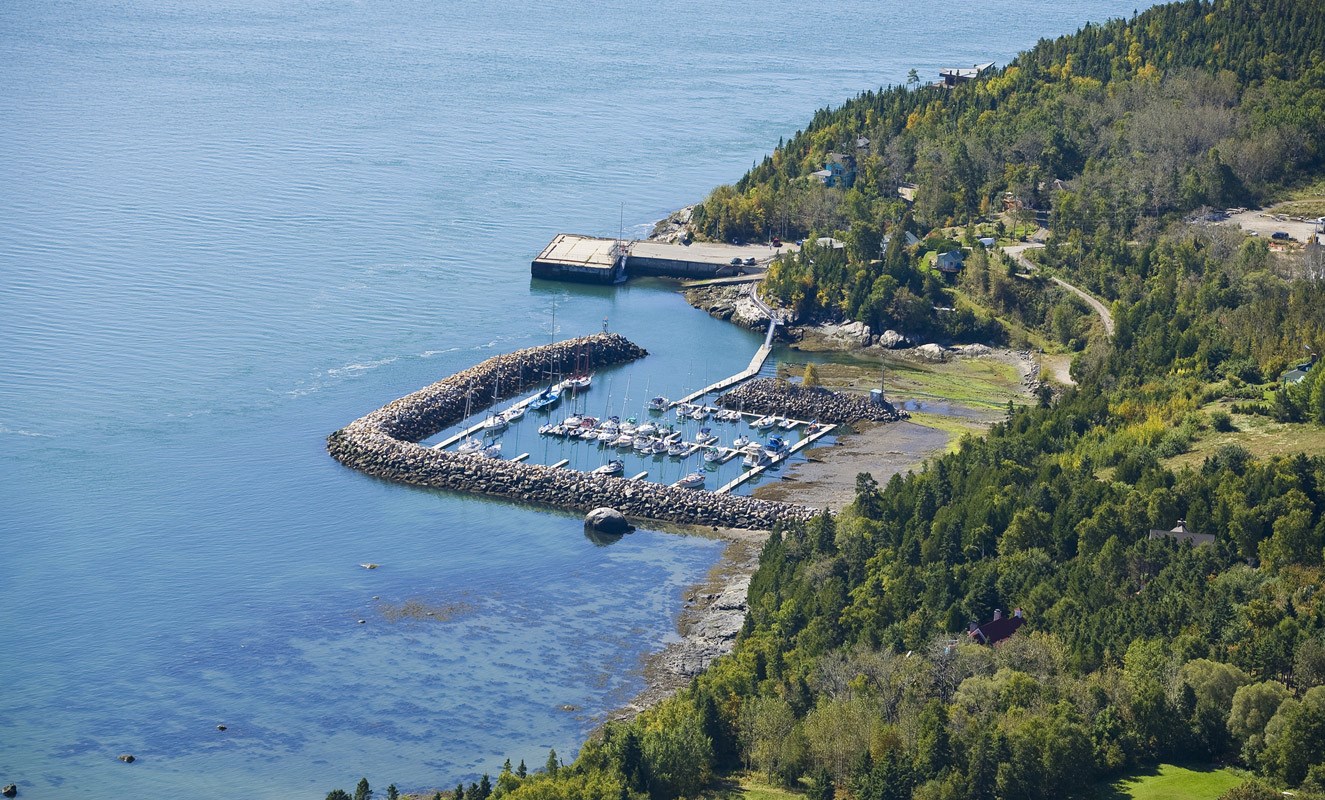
(589, 259)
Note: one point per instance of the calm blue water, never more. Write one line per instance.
(230, 227)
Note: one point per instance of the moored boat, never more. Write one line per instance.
(692, 481)
(658, 403)
(614, 467)
(712, 454)
(763, 423)
(546, 399)
(757, 459)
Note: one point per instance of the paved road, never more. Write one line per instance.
(1017, 251)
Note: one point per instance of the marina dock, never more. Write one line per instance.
(802, 444)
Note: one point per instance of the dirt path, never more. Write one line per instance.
(1017, 251)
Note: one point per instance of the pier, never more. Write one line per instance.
(590, 259)
(757, 363)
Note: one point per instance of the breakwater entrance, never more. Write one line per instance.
(385, 443)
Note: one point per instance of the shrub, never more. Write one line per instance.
(1222, 421)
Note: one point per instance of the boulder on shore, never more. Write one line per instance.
(892, 340)
(932, 352)
(608, 520)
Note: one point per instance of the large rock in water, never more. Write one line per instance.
(608, 520)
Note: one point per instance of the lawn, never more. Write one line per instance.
(745, 786)
(1263, 437)
(1170, 782)
(983, 384)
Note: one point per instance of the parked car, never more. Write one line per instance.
(750, 262)
(1280, 235)
(736, 262)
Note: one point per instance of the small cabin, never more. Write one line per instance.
(952, 76)
(950, 262)
(1181, 534)
(997, 629)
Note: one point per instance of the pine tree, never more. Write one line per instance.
(522, 771)
(362, 791)
(552, 764)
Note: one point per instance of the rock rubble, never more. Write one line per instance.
(777, 396)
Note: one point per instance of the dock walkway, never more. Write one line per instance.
(750, 473)
(756, 363)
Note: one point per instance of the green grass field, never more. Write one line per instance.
(1170, 782)
(1263, 437)
(983, 384)
(745, 786)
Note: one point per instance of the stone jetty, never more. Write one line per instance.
(383, 443)
(784, 398)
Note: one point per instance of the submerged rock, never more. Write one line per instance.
(10, 790)
(127, 758)
(608, 520)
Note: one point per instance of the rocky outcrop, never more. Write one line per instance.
(384, 444)
(609, 521)
(732, 303)
(776, 396)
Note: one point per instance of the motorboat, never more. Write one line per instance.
(700, 413)
(513, 414)
(604, 435)
(752, 448)
(495, 422)
(659, 447)
(624, 440)
(658, 403)
(788, 423)
(573, 421)
(628, 427)
(677, 449)
(646, 428)
(740, 442)
(758, 459)
(763, 423)
(712, 454)
(614, 467)
(692, 481)
(546, 429)
(642, 444)
(775, 447)
(492, 451)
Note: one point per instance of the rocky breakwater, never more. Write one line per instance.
(776, 396)
(384, 444)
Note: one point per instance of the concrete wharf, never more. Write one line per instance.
(591, 259)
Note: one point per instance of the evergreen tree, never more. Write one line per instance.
(362, 791)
